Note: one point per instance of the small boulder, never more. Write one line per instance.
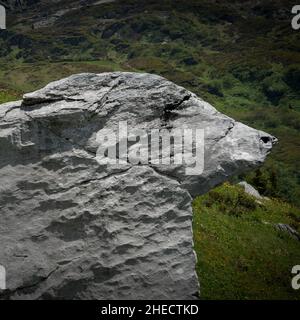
(250, 190)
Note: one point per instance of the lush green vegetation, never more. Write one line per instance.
(241, 254)
(241, 56)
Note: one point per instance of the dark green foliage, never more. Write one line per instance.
(241, 255)
(231, 200)
(274, 88)
(275, 180)
(292, 77)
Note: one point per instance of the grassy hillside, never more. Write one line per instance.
(241, 254)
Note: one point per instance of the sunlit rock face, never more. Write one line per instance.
(73, 228)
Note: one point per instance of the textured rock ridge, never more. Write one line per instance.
(74, 229)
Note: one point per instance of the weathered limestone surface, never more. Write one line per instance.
(71, 228)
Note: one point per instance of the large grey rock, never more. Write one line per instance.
(73, 229)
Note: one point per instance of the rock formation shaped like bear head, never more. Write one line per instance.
(75, 228)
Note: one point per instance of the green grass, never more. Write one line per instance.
(26, 77)
(241, 255)
(7, 95)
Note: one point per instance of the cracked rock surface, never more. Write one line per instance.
(71, 228)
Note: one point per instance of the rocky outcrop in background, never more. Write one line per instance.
(74, 229)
